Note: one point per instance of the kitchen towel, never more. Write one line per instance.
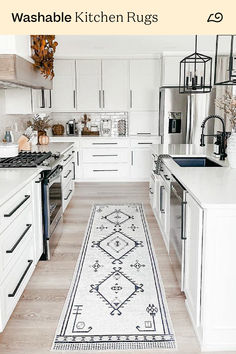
(116, 299)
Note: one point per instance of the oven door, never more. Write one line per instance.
(52, 204)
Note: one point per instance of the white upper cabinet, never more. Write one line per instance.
(144, 84)
(89, 81)
(18, 101)
(115, 85)
(42, 101)
(64, 89)
(170, 70)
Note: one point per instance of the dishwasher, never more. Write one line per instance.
(177, 231)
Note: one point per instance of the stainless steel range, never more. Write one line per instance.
(51, 169)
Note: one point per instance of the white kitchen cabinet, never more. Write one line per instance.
(37, 217)
(170, 70)
(193, 258)
(144, 84)
(18, 101)
(115, 85)
(42, 101)
(143, 123)
(89, 85)
(140, 164)
(64, 88)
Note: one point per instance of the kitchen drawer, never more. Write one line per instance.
(14, 206)
(68, 156)
(67, 173)
(106, 172)
(104, 143)
(105, 155)
(14, 238)
(15, 283)
(67, 194)
(144, 142)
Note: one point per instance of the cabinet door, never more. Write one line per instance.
(63, 93)
(193, 253)
(141, 164)
(144, 84)
(115, 84)
(143, 123)
(170, 74)
(89, 95)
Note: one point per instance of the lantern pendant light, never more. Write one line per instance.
(195, 73)
(225, 60)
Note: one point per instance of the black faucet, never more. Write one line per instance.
(220, 135)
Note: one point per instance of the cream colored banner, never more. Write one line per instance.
(119, 17)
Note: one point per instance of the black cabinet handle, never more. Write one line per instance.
(17, 207)
(21, 279)
(150, 191)
(50, 99)
(74, 98)
(131, 98)
(43, 98)
(40, 180)
(142, 133)
(145, 143)
(73, 163)
(67, 158)
(19, 239)
(68, 194)
(68, 174)
(166, 177)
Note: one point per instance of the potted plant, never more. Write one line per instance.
(227, 103)
(40, 123)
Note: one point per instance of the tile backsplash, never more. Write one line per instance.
(16, 123)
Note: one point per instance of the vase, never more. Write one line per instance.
(41, 133)
(43, 139)
(231, 149)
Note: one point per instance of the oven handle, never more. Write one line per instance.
(53, 175)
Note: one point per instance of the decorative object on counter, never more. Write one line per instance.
(106, 125)
(8, 137)
(72, 127)
(8, 150)
(58, 129)
(43, 49)
(195, 73)
(227, 103)
(24, 143)
(40, 123)
(122, 127)
(225, 65)
(118, 273)
(43, 140)
(85, 121)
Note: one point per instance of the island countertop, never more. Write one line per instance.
(212, 187)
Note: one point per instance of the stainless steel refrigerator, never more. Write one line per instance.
(181, 116)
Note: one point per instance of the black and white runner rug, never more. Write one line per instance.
(116, 299)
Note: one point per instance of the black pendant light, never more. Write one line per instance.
(195, 73)
(225, 60)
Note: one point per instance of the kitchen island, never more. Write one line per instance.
(208, 256)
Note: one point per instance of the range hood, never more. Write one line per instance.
(16, 71)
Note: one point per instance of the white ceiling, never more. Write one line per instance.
(76, 45)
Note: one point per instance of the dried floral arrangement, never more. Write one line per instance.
(40, 122)
(43, 49)
(228, 104)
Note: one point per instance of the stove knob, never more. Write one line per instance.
(45, 163)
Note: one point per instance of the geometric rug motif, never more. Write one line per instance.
(116, 299)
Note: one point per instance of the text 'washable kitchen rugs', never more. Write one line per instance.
(116, 299)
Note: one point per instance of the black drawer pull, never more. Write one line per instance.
(40, 180)
(166, 177)
(144, 133)
(105, 143)
(68, 194)
(21, 279)
(67, 158)
(19, 239)
(103, 155)
(17, 207)
(105, 170)
(68, 174)
(145, 143)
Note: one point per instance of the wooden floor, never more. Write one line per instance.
(32, 325)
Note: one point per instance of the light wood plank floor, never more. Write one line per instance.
(32, 326)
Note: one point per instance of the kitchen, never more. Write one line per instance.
(118, 122)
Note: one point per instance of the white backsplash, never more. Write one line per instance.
(16, 123)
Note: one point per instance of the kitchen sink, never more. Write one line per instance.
(195, 162)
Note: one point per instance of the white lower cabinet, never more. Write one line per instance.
(193, 258)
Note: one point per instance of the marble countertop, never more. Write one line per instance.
(13, 179)
(212, 187)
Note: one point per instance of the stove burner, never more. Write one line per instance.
(25, 159)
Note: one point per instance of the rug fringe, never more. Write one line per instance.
(113, 346)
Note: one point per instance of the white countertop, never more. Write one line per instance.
(13, 179)
(212, 187)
